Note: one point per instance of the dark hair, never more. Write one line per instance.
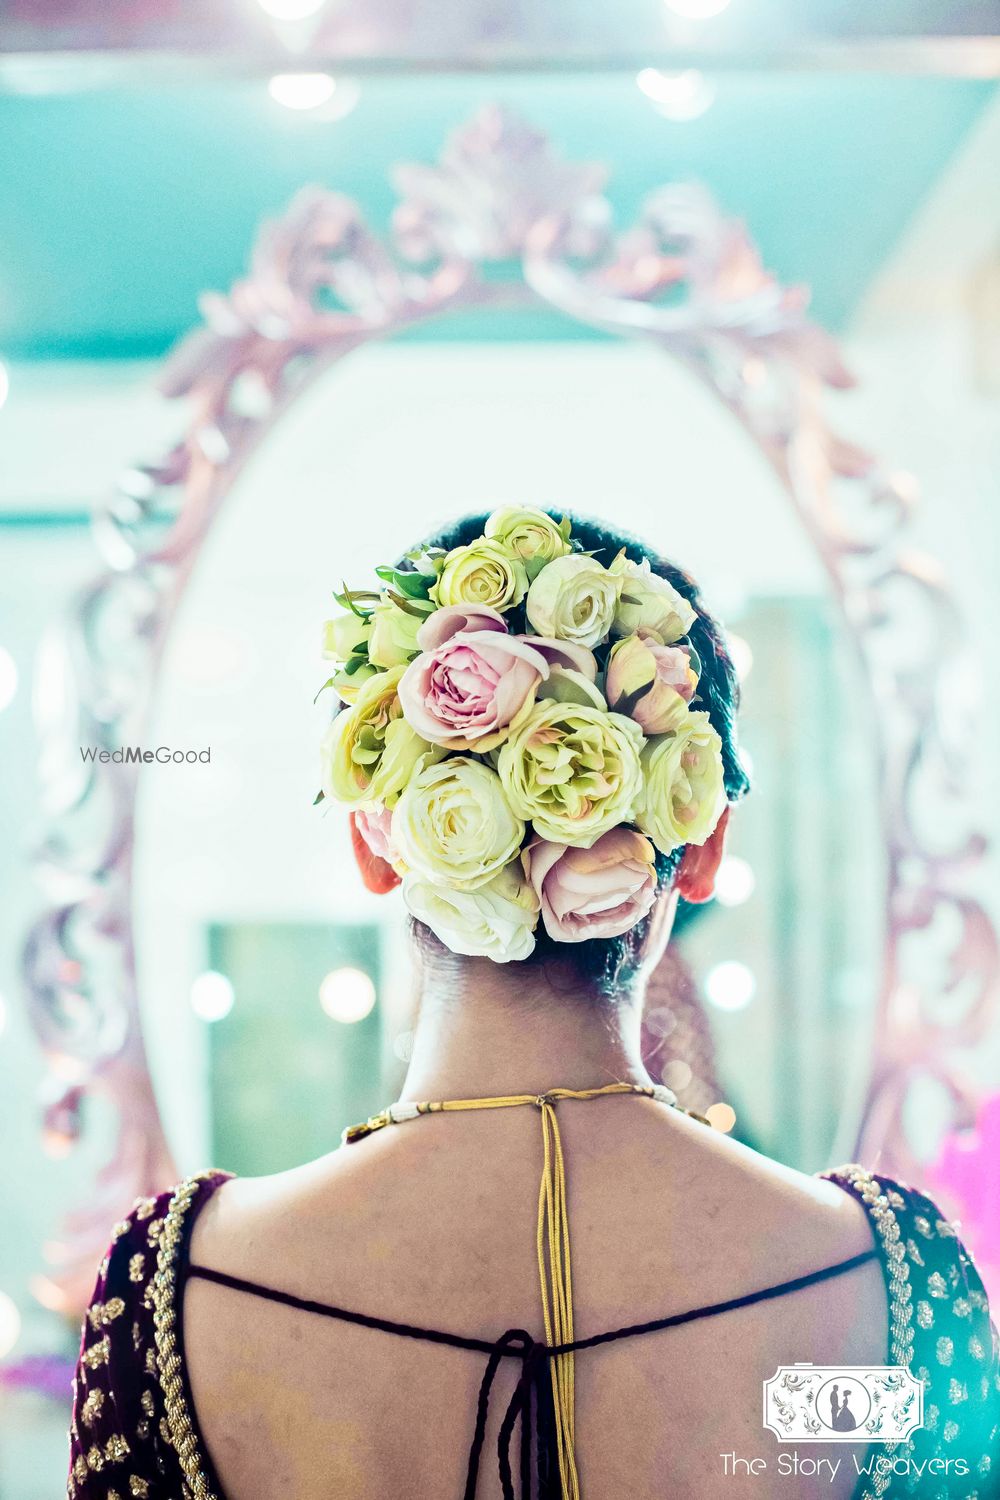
(609, 965)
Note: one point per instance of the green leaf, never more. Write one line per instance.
(630, 599)
(408, 581)
(408, 606)
(350, 599)
(328, 683)
(319, 797)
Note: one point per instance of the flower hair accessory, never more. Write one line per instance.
(519, 736)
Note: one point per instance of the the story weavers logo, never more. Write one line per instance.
(843, 1403)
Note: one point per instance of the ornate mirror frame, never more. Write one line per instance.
(320, 285)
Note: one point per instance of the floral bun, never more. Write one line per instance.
(521, 734)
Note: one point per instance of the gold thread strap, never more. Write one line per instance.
(555, 1271)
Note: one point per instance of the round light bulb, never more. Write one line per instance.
(10, 1325)
(735, 881)
(730, 985)
(677, 96)
(347, 995)
(212, 996)
(291, 10)
(697, 10)
(302, 90)
(8, 677)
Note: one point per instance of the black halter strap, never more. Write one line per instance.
(530, 1403)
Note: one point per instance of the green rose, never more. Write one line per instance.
(393, 640)
(572, 770)
(574, 599)
(530, 535)
(345, 641)
(481, 573)
(454, 826)
(649, 602)
(369, 752)
(683, 791)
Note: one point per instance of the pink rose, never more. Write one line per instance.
(566, 655)
(650, 682)
(375, 827)
(444, 623)
(598, 892)
(465, 692)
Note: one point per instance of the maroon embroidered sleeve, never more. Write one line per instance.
(119, 1440)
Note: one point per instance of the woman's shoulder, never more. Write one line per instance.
(125, 1427)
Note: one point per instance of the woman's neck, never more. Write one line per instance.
(482, 1035)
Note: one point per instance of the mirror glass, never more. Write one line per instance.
(283, 987)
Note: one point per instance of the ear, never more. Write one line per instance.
(700, 863)
(377, 874)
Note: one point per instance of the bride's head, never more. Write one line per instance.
(538, 742)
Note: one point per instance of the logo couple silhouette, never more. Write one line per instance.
(842, 1419)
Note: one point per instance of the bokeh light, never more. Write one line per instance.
(347, 995)
(735, 881)
(10, 1325)
(676, 1074)
(302, 90)
(8, 677)
(739, 650)
(697, 10)
(730, 985)
(291, 10)
(721, 1116)
(212, 996)
(677, 96)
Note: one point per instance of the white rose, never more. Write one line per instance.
(574, 599)
(496, 921)
(649, 602)
(454, 826)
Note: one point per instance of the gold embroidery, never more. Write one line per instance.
(114, 1495)
(946, 1230)
(103, 1313)
(936, 1285)
(165, 1316)
(150, 1361)
(142, 1430)
(91, 1407)
(116, 1448)
(961, 1307)
(923, 1227)
(925, 1315)
(147, 1403)
(137, 1486)
(97, 1354)
(931, 1418)
(951, 1431)
(914, 1253)
(95, 1459)
(136, 1266)
(102, 1269)
(976, 1348)
(136, 1337)
(165, 1432)
(957, 1392)
(945, 1351)
(122, 1227)
(154, 1231)
(144, 1208)
(80, 1468)
(880, 1211)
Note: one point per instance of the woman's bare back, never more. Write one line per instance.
(433, 1224)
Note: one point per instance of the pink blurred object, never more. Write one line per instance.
(966, 1175)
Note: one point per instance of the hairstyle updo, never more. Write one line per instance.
(606, 967)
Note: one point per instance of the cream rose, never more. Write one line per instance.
(649, 602)
(454, 826)
(598, 892)
(345, 641)
(683, 792)
(530, 535)
(574, 599)
(369, 752)
(481, 573)
(572, 769)
(496, 920)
